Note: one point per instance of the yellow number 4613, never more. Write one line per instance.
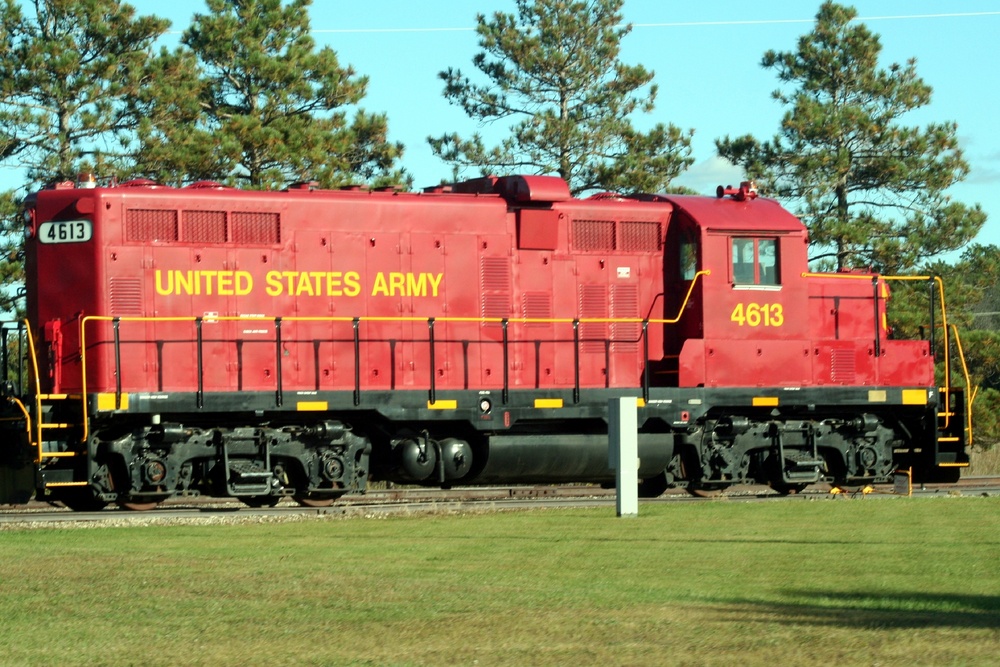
(758, 314)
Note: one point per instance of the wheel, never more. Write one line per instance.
(259, 501)
(144, 505)
(697, 486)
(137, 506)
(653, 487)
(315, 500)
(941, 475)
(707, 491)
(784, 489)
(80, 500)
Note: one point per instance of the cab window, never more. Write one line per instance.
(689, 257)
(755, 261)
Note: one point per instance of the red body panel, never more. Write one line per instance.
(393, 260)
(530, 254)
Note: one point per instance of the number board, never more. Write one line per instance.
(65, 231)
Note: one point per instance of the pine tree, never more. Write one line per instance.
(554, 74)
(67, 70)
(250, 100)
(871, 190)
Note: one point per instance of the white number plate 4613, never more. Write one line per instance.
(65, 231)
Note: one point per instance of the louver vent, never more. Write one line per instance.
(843, 366)
(537, 306)
(125, 296)
(625, 304)
(495, 283)
(593, 304)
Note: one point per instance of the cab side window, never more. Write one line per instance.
(755, 261)
(689, 257)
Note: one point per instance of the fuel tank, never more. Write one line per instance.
(550, 459)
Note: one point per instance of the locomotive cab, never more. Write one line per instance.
(745, 323)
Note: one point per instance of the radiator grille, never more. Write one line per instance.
(240, 227)
(150, 225)
(204, 226)
(256, 228)
(593, 235)
(640, 236)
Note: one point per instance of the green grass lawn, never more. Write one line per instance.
(886, 581)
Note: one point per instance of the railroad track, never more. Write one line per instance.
(425, 501)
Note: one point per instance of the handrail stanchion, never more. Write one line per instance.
(506, 352)
(278, 397)
(356, 323)
(21, 342)
(645, 361)
(116, 325)
(433, 370)
(200, 396)
(878, 329)
(576, 360)
(4, 353)
(931, 285)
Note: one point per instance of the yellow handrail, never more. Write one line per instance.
(944, 316)
(947, 340)
(33, 355)
(373, 318)
(971, 394)
(27, 421)
(33, 427)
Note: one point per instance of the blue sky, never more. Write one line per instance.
(706, 56)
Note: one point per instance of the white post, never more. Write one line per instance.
(623, 453)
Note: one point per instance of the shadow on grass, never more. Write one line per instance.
(871, 610)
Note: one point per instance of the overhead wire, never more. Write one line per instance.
(677, 24)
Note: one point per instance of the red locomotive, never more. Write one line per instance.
(206, 340)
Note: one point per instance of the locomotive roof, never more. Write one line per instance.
(726, 214)
(711, 213)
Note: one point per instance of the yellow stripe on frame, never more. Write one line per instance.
(548, 402)
(449, 404)
(312, 406)
(106, 402)
(877, 396)
(765, 401)
(914, 397)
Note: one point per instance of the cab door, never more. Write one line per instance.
(755, 329)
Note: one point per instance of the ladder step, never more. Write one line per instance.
(256, 475)
(58, 425)
(805, 463)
